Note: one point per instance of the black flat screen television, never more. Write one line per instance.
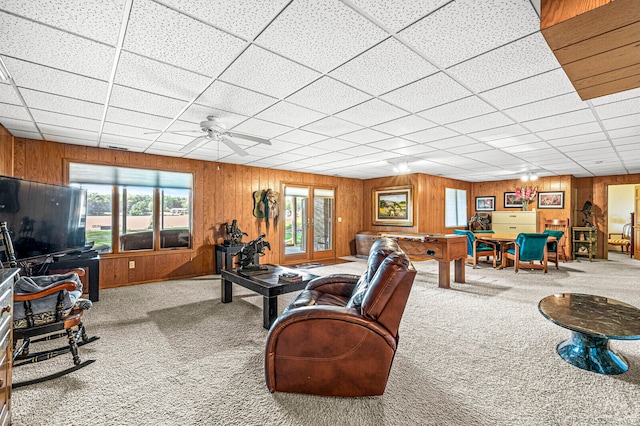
(42, 218)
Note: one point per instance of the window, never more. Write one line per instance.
(455, 207)
(144, 196)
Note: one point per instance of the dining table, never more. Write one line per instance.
(503, 240)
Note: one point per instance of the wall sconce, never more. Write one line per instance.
(529, 177)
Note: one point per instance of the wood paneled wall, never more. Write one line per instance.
(6, 152)
(428, 200)
(222, 192)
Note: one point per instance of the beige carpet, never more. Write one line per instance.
(479, 354)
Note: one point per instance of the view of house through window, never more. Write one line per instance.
(455, 207)
(137, 207)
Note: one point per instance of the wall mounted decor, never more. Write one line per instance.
(393, 206)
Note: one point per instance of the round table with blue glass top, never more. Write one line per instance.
(593, 321)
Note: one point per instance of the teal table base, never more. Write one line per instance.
(591, 353)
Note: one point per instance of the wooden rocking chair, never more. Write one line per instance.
(46, 307)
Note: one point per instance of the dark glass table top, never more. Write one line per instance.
(590, 314)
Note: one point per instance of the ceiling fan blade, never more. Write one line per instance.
(192, 145)
(228, 142)
(249, 138)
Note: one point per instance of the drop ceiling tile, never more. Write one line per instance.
(44, 79)
(392, 144)
(63, 120)
(286, 157)
(431, 135)
(328, 96)
(138, 119)
(309, 152)
(61, 104)
(599, 154)
(384, 67)
(175, 139)
(621, 122)
(453, 142)
(483, 122)
(579, 139)
(625, 107)
(469, 149)
(279, 146)
(331, 127)
(616, 97)
(364, 136)
(466, 28)
(542, 86)
(128, 131)
(519, 149)
(195, 114)
(333, 158)
(579, 129)
(13, 124)
(14, 111)
(500, 133)
(168, 153)
(333, 144)
(261, 128)
(116, 141)
(547, 107)
(371, 112)
(414, 150)
(8, 95)
(619, 142)
(227, 97)
(320, 34)
(404, 125)
(513, 140)
(523, 58)
(622, 133)
(25, 134)
(156, 77)
(92, 19)
(27, 40)
(278, 76)
(71, 140)
(462, 109)
(560, 120)
(429, 92)
(361, 150)
(397, 14)
(494, 156)
(244, 18)
(160, 33)
(148, 103)
(585, 146)
(301, 137)
(64, 132)
(289, 114)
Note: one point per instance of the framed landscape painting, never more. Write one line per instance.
(485, 204)
(510, 200)
(393, 206)
(551, 200)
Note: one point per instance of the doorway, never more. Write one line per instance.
(309, 213)
(620, 207)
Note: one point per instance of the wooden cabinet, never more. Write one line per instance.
(514, 222)
(6, 346)
(584, 241)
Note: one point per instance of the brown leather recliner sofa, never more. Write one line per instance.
(340, 335)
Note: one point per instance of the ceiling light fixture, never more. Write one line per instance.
(401, 168)
(529, 177)
(4, 72)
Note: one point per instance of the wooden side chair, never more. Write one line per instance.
(553, 247)
(622, 239)
(528, 249)
(477, 247)
(559, 225)
(46, 307)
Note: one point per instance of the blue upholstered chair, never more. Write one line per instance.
(527, 249)
(477, 247)
(552, 246)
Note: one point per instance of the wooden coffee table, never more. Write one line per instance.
(265, 282)
(593, 321)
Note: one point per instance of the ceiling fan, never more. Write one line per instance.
(215, 131)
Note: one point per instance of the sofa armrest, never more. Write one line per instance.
(338, 284)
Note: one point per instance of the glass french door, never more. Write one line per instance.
(308, 223)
